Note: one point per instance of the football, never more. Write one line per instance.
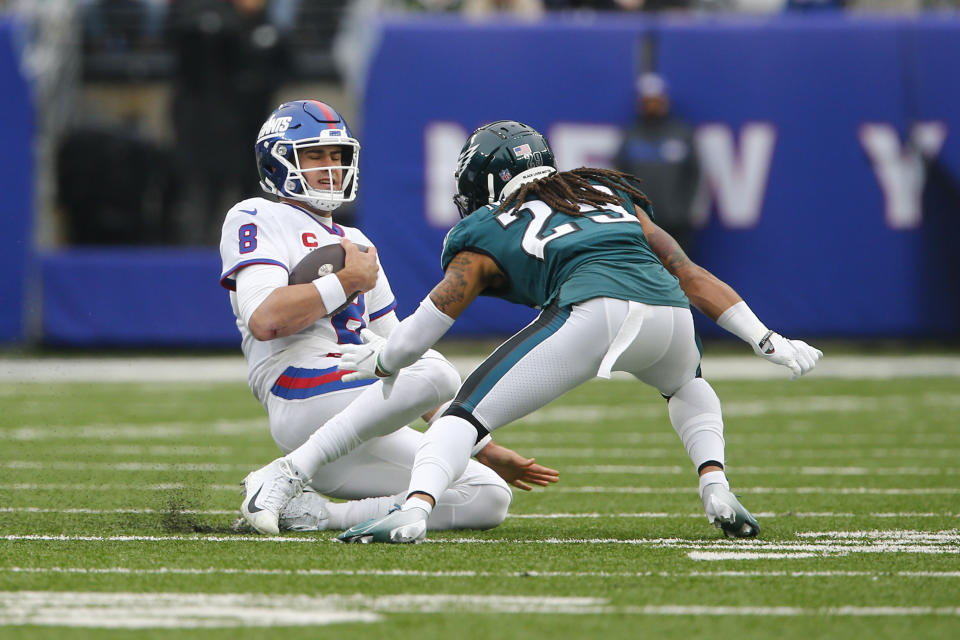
(321, 262)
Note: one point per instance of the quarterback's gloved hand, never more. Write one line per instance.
(361, 360)
(796, 355)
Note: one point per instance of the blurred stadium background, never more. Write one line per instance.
(827, 131)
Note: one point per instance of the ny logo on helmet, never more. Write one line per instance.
(274, 126)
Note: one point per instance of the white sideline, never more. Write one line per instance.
(232, 368)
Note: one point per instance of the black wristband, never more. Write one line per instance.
(764, 339)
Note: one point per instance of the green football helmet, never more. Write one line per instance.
(496, 159)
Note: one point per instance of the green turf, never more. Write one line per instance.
(814, 456)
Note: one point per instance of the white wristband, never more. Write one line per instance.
(743, 323)
(477, 448)
(331, 292)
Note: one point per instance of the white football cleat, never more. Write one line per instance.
(306, 512)
(396, 527)
(268, 490)
(725, 512)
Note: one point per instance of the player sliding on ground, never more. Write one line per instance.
(614, 290)
(344, 438)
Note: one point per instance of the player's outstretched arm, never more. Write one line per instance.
(516, 469)
(466, 276)
(719, 302)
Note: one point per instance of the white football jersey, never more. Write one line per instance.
(259, 231)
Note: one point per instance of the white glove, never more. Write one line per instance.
(796, 355)
(361, 360)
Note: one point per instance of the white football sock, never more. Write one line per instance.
(418, 389)
(344, 515)
(696, 417)
(713, 477)
(480, 506)
(442, 455)
(417, 502)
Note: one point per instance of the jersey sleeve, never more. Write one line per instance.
(380, 300)
(631, 200)
(246, 240)
(461, 237)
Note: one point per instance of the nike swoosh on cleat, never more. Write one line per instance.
(252, 212)
(252, 505)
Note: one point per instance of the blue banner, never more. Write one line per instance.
(16, 184)
(829, 146)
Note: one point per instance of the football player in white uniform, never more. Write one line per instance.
(308, 158)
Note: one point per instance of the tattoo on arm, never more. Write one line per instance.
(668, 250)
(460, 285)
(663, 245)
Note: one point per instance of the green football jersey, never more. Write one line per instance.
(553, 257)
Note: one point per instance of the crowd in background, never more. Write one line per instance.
(211, 53)
(131, 25)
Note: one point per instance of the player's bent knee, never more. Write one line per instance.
(442, 375)
(492, 504)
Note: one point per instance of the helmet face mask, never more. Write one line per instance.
(292, 129)
(501, 154)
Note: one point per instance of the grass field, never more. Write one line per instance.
(116, 500)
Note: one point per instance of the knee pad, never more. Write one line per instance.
(489, 508)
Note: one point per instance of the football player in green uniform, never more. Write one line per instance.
(615, 293)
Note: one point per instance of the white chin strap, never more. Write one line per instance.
(523, 178)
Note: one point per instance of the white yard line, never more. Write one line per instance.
(775, 490)
(232, 368)
(517, 516)
(65, 465)
(896, 541)
(204, 610)
(130, 431)
(774, 470)
(79, 511)
(408, 573)
(235, 488)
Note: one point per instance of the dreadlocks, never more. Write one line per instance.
(566, 191)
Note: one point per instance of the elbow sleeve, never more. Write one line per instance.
(414, 336)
